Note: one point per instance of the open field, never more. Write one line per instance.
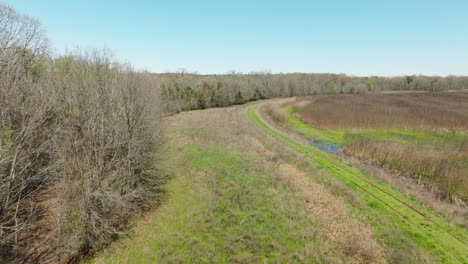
(105, 162)
(407, 132)
(429, 111)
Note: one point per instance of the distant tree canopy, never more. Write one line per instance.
(186, 91)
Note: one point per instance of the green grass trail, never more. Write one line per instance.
(429, 230)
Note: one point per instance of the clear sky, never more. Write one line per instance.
(355, 37)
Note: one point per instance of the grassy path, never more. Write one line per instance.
(427, 229)
(238, 196)
(227, 204)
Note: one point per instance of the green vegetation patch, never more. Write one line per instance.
(249, 223)
(222, 207)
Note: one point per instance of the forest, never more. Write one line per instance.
(186, 91)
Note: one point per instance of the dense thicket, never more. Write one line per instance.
(76, 135)
(187, 91)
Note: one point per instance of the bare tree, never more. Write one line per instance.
(76, 137)
(24, 116)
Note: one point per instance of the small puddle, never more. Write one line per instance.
(401, 135)
(330, 148)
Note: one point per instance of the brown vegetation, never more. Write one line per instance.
(275, 110)
(439, 111)
(445, 168)
(354, 238)
(438, 156)
(76, 134)
(413, 187)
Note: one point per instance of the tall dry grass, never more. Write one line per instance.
(444, 168)
(438, 160)
(435, 111)
(276, 112)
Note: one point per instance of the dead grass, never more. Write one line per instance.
(435, 111)
(443, 168)
(413, 187)
(437, 155)
(275, 110)
(354, 238)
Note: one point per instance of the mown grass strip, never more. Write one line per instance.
(429, 230)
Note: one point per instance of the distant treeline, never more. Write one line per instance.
(186, 91)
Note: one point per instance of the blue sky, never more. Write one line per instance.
(353, 37)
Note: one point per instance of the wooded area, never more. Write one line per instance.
(186, 91)
(76, 138)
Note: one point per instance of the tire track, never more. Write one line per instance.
(447, 246)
